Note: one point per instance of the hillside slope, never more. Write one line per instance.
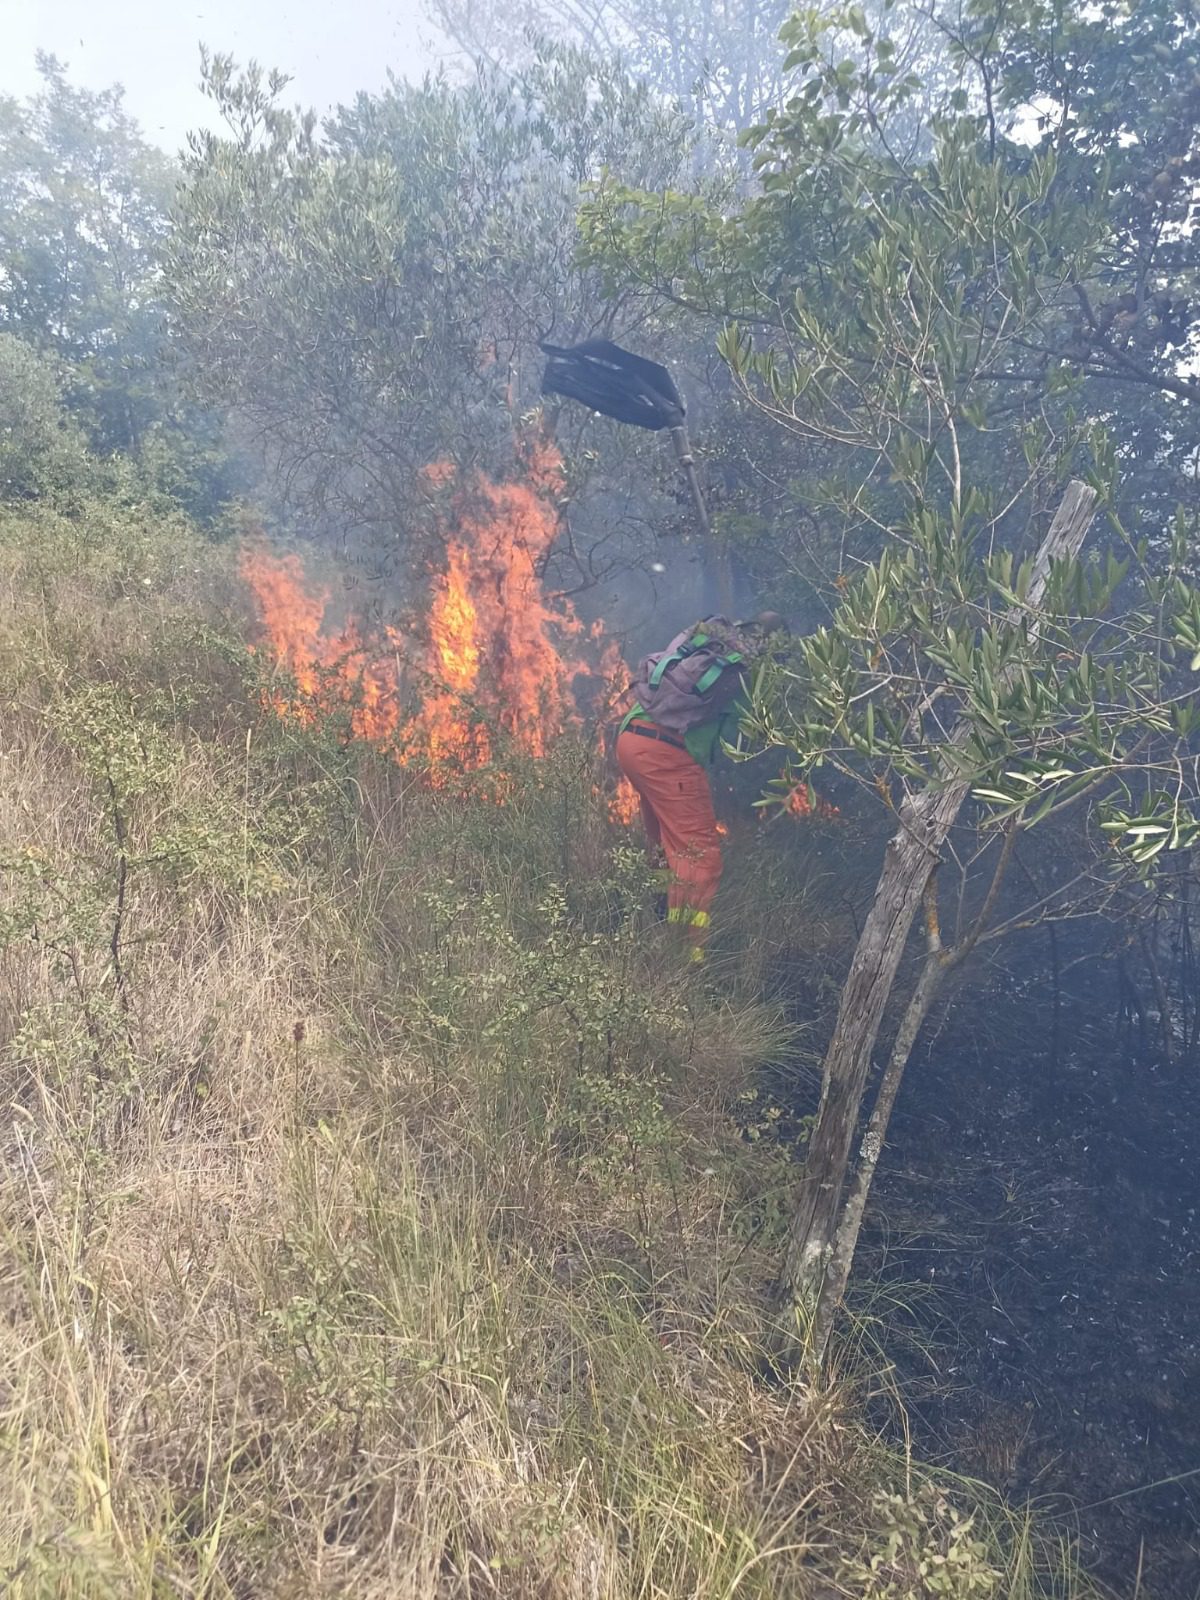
(376, 1217)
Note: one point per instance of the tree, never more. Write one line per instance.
(83, 211)
(1114, 92)
(370, 297)
(42, 450)
(719, 62)
(912, 315)
(84, 208)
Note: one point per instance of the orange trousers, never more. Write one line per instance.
(677, 812)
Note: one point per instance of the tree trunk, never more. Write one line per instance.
(833, 1286)
(925, 820)
(935, 968)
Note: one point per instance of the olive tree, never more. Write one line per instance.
(906, 317)
(720, 61)
(83, 210)
(43, 452)
(369, 296)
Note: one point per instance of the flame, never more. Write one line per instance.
(333, 672)
(499, 655)
(451, 738)
(803, 801)
(494, 634)
(624, 806)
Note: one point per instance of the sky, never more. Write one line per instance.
(330, 48)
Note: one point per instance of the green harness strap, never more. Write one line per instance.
(705, 682)
(656, 676)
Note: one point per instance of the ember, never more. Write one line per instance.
(803, 801)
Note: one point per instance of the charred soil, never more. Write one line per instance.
(1036, 1216)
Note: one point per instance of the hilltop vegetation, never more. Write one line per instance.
(389, 1209)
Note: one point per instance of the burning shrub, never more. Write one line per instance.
(497, 660)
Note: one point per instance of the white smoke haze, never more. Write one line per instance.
(329, 51)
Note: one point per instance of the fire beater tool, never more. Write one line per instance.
(628, 388)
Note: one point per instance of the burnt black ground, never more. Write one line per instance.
(1038, 1212)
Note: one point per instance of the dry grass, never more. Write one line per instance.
(373, 1220)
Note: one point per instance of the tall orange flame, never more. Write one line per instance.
(624, 807)
(499, 651)
(445, 734)
(492, 629)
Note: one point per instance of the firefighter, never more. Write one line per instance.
(687, 698)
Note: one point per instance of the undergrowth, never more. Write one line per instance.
(378, 1216)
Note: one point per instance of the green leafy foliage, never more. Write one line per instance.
(567, 996)
(930, 1548)
(369, 297)
(721, 64)
(83, 210)
(901, 310)
(42, 451)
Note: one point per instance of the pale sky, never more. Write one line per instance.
(331, 49)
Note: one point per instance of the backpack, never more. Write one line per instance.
(697, 677)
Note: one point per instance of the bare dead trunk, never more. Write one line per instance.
(833, 1285)
(938, 964)
(912, 854)
(925, 820)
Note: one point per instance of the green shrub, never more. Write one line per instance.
(42, 449)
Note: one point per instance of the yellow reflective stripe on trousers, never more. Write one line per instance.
(693, 919)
